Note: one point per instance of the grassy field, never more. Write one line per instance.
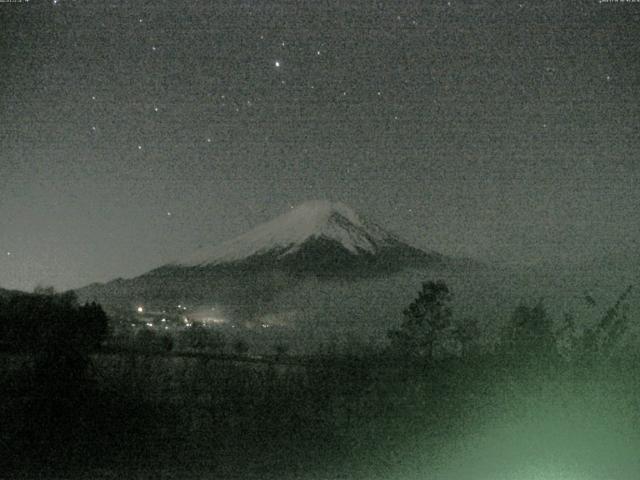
(195, 416)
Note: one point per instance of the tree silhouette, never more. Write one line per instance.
(240, 347)
(201, 338)
(281, 349)
(55, 330)
(427, 319)
(600, 341)
(530, 337)
(35, 322)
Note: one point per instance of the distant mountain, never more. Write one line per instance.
(317, 270)
(320, 238)
(317, 241)
(321, 272)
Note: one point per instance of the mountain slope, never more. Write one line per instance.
(316, 239)
(311, 229)
(317, 271)
(321, 272)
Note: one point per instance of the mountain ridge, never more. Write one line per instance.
(287, 233)
(316, 239)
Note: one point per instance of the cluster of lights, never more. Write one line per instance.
(163, 322)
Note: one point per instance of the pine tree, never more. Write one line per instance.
(426, 319)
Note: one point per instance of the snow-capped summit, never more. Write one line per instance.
(317, 241)
(321, 220)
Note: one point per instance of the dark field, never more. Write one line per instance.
(172, 416)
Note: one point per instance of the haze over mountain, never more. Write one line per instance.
(317, 238)
(322, 271)
(318, 257)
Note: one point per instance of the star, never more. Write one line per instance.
(55, 2)
(277, 63)
(318, 52)
(153, 48)
(208, 140)
(156, 109)
(168, 214)
(93, 97)
(139, 147)
(8, 254)
(608, 78)
(93, 128)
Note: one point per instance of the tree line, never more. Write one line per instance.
(53, 328)
(531, 337)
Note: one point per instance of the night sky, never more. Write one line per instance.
(133, 132)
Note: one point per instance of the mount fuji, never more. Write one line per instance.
(317, 237)
(321, 272)
(318, 266)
